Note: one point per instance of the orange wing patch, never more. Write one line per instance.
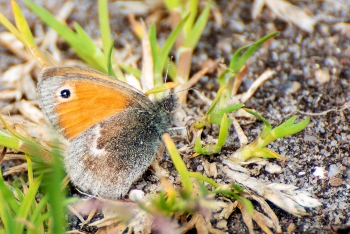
(90, 104)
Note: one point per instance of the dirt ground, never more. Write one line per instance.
(312, 79)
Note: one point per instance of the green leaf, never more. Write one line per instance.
(285, 129)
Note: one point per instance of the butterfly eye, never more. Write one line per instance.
(168, 106)
(65, 93)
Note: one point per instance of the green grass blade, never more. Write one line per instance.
(109, 62)
(9, 141)
(198, 148)
(38, 209)
(26, 204)
(50, 20)
(215, 101)
(179, 165)
(30, 170)
(290, 128)
(192, 9)
(201, 177)
(235, 59)
(163, 54)
(266, 123)
(4, 21)
(153, 41)
(20, 195)
(172, 4)
(88, 47)
(6, 216)
(22, 25)
(134, 71)
(229, 109)
(71, 37)
(193, 37)
(7, 195)
(223, 131)
(252, 48)
(56, 195)
(105, 29)
(287, 123)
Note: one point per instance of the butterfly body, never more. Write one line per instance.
(113, 131)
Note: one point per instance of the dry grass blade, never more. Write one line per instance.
(246, 218)
(238, 80)
(257, 83)
(50, 40)
(2, 155)
(342, 27)
(10, 95)
(290, 13)
(257, 8)
(117, 213)
(30, 111)
(9, 41)
(76, 213)
(287, 197)
(263, 221)
(16, 169)
(268, 211)
(243, 139)
(147, 81)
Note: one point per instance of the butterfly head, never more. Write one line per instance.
(168, 104)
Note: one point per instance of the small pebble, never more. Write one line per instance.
(320, 172)
(335, 182)
(136, 195)
(301, 173)
(322, 76)
(200, 168)
(333, 170)
(273, 168)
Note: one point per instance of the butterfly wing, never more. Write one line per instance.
(106, 160)
(74, 99)
(107, 124)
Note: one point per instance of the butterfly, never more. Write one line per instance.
(112, 130)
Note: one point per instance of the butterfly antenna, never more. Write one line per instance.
(166, 72)
(186, 89)
(167, 69)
